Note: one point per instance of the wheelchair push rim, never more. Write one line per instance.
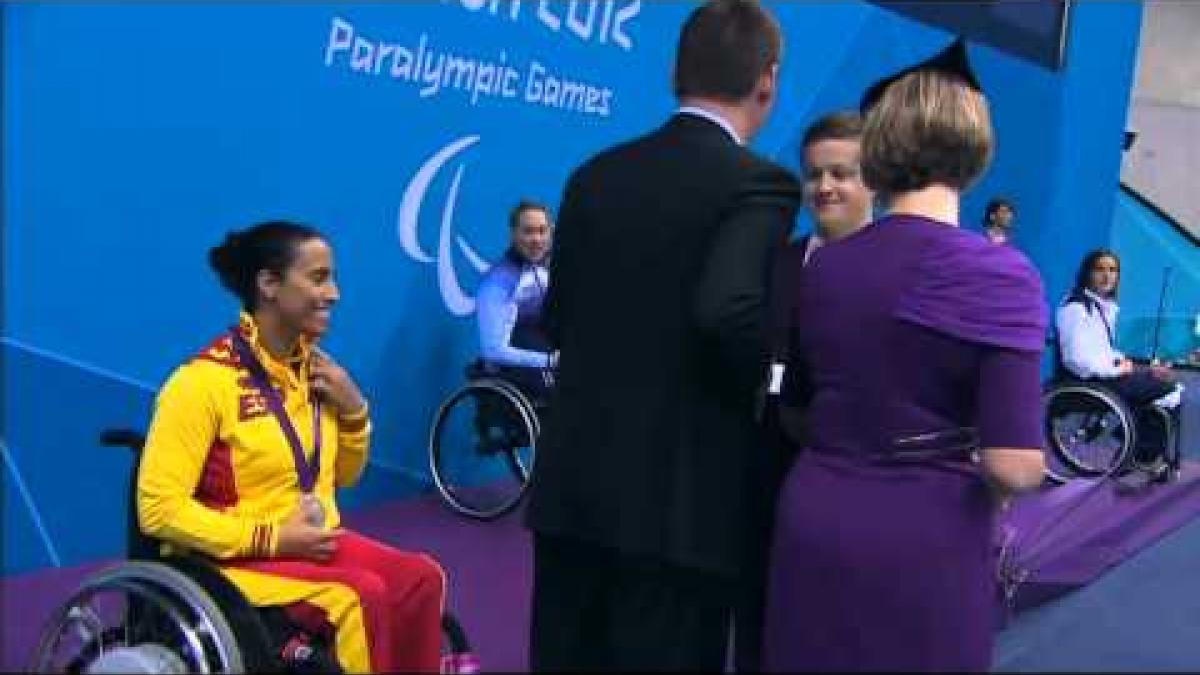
(1089, 429)
(481, 448)
(203, 641)
(1163, 462)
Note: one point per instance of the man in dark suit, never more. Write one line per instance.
(658, 304)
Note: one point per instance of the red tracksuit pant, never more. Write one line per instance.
(396, 598)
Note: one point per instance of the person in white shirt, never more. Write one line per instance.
(1086, 325)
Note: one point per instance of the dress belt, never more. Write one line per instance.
(958, 444)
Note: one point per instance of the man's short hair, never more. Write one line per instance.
(839, 126)
(514, 216)
(928, 127)
(724, 47)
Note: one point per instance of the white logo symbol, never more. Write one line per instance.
(456, 300)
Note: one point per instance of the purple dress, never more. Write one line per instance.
(906, 327)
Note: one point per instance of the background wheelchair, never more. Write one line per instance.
(1091, 431)
(179, 614)
(482, 444)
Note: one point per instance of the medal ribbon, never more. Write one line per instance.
(306, 472)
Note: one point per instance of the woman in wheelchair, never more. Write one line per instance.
(512, 342)
(482, 442)
(249, 440)
(1087, 351)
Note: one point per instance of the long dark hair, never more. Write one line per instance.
(1083, 277)
(265, 246)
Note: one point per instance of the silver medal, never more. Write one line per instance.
(314, 513)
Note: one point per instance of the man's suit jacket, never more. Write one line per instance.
(658, 301)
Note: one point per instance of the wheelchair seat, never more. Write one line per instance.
(1091, 430)
(157, 613)
(174, 613)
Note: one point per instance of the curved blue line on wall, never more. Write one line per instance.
(412, 474)
(34, 514)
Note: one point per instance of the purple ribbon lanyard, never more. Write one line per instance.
(306, 472)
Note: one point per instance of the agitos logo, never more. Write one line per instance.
(456, 300)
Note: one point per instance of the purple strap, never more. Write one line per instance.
(306, 472)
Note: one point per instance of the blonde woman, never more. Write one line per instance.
(922, 344)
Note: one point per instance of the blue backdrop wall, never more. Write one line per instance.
(135, 135)
(1161, 267)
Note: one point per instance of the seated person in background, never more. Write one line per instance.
(249, 440)
(509, 305)
(1086, 325)
(997, 220)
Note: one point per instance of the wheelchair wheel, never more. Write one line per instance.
(1162, 462)
(482, 447)
(1055, 475)
(1089, 429)
(1172, 452)
(139, 617)
(1058, 472)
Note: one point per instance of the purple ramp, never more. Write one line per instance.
(1065, 537)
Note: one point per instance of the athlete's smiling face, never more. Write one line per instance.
(531, 234)
(304, 294)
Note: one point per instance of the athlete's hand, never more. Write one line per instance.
(300, 539)
(334, 385)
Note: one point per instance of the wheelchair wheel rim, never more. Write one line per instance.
(1164, 425)
(1088, 430)
(1058, 472)
(482, 447)
(199, 625)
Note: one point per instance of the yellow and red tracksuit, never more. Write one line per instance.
(217, 476)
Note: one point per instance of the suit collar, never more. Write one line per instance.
(685, 118)
(713, 117)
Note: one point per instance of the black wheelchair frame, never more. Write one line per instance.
(1101, 412)
(229, 634)
(505, 421)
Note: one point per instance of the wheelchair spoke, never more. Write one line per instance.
(80, 634)
(181, 635)
(1093, 440)
(86, 624)
(1089, 431)
(140, 613)
(521, 461)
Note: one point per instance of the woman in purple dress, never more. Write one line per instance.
(921, 344)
